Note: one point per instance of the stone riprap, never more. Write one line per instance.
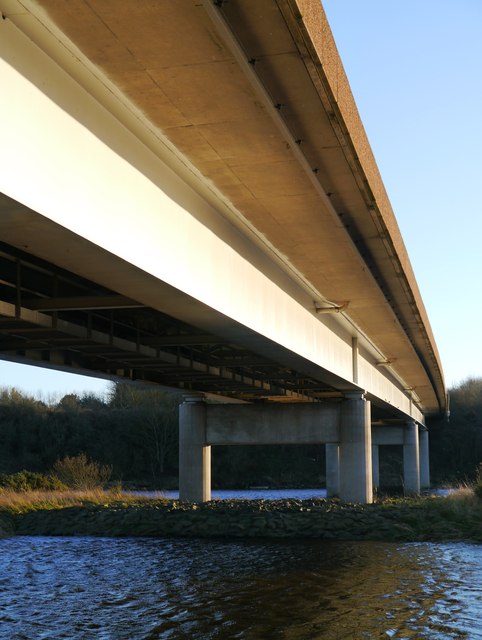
(321, 519)
(6, 526)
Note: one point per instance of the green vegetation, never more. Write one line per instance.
(74, 472)
(30, 481)
(133, 433)
(456, 444)
(477, 485)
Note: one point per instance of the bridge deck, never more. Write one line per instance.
(251, 98)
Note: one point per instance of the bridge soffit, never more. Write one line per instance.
(183, 146)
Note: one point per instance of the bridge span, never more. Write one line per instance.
(188, 198)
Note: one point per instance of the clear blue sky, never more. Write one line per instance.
(414, 69)
(48, 384)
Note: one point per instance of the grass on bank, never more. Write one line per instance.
(457, 516)
(460, 501)
(24, 501)
(464, 500)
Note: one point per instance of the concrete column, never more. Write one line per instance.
(194, 454)
(355, 450)
(411, 459)
(424, 459)
(375, 467)
(332, 457)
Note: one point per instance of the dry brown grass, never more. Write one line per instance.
(461, 504)
(463, 491)
(17, 502)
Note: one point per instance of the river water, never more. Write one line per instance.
(149, 589)
(256, 493)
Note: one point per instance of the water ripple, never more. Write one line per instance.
(150, 589)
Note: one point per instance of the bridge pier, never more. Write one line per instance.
(194, 453)
(424, 459)
(332, 459)
(375, 467)
(355, 449)
(411, 459)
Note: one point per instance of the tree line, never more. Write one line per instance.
(456, 440)
(134, 430)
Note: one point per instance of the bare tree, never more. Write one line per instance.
(156, 413)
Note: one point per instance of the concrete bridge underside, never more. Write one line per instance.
(203, 212)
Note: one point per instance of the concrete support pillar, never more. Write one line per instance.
(411, 459)
(332, 456)
(424, 459)
(355, 450)
(375, 467)
(194, 454)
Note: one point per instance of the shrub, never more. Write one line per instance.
(30, 481)
(78, 472)
(477, 486)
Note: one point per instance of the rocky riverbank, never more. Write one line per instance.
(399, 520)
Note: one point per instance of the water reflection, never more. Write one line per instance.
(149, 589)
